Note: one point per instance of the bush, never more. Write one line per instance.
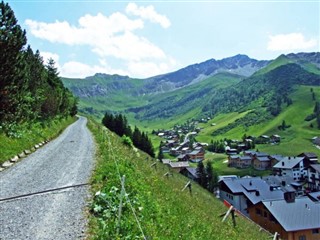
(127, 140)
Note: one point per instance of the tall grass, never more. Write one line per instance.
(162, 208)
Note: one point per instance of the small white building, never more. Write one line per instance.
(291, 167)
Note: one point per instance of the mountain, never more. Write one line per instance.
(237, 83)
(239, 64)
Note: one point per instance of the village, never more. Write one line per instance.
(286, 202)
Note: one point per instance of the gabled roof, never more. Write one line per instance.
(245, 158)
(308, 155)
(316, 167)
(261, 154)
(192, 171)
(288, 162)
(298, 215)
(263, 159)
(255, 189)
(179, 164)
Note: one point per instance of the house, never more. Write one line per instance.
(275, 159)
(177, 166)
(183, 157)
(244, 192)
(298, 219)
(231, 151)
(292, 167)
(285, 183)
(309, 158)
(275, 138)
(313, 173)
(190, 173)
(233, 160)
(261, 163)
(244, 162)
(263, 139)
(197, 155)
(316, 141)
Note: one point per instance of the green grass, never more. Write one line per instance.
(220, 165)
(27, 136)
(295, 140)
(163, 210)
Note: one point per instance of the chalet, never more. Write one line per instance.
(275, 159)
(177, 166)
(233, 160)
(244, 192)
(292, 167)
(197, 155)
(297, 219)
(313, 173)
(244, 162)
(183, 157)
(309, 158)
(190, 173)
(263, 139)
(286, 184)
(231, 151)
(261, 163)
(316, 141)
(275, 138)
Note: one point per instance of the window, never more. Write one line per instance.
(315, 231)
(302, 237)
(265, 214)
(258, 211)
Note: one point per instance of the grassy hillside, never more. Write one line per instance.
(295, 139)
(24, 137)
(162, 209)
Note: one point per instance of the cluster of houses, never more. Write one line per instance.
(286, 202)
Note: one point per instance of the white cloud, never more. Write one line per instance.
(108, 37)
(47, 55)
(290, 42)
(148, 13)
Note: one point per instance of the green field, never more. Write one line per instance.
(162, 209)
(295, 140)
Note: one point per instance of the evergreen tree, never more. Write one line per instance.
(12, 41)
(202, 175)
(212, 178)
(160, 154)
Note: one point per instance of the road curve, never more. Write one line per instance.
(67, 160)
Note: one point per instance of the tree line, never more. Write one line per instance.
(118, 123)
(30, 90)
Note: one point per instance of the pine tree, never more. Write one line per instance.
(202, 175)
(12, 41)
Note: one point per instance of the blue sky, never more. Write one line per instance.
(147, 38)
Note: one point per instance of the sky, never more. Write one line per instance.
(147, 38)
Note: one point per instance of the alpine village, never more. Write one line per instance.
(221, 149)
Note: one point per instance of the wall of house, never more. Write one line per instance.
(263, 219)
(308, 234)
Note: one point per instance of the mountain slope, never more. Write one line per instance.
(163, 210)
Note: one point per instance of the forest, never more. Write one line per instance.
(30, 89)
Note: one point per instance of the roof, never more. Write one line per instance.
(195, 152)
(282, 182)
(298, 215)
(314, 196)
(308, 155)
(255, 189)
(192, 171)
(263, 159)
(261, 154)
(289, 162)
(179, 164)
(234, 156)
(316, 167)
(166, 161)
(245, 158)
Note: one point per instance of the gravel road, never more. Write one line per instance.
(65, 161)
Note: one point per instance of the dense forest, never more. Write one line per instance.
(119, 124)
(30, 90)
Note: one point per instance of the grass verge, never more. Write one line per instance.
(26, 136)
(161, 208)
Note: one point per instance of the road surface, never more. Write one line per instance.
(65, 161)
